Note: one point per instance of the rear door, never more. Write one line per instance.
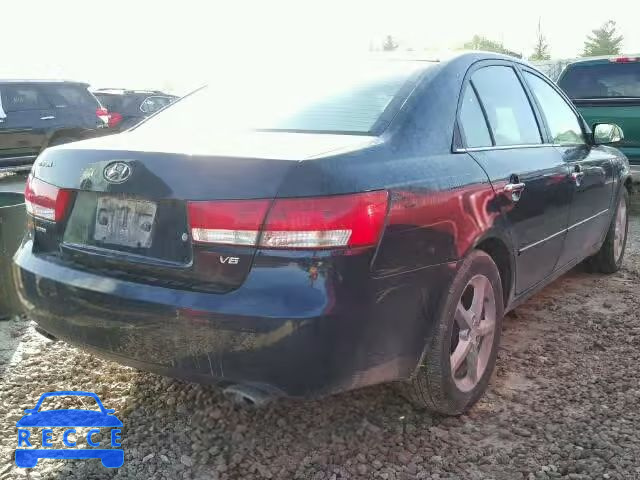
(591, 169)
(74, 105)
(28, 117)
(529, 175)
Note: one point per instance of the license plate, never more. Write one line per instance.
(124, 222)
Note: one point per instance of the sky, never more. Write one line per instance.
(178, 45)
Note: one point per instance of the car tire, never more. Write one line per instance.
(609, 257)
(458, 329)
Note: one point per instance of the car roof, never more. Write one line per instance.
(40, 81)
(600, 59)
(126, 91)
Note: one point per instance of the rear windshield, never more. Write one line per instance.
(610, 80)
(356, 101)
(66, 96)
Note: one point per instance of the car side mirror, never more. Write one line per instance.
(607, 133)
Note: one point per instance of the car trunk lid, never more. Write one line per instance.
(129, 217)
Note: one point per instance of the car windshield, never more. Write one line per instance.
(347, 100)
(610, 80)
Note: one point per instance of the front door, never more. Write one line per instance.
(530, 177)
(590, 168)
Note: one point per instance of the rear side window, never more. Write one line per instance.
(68, 96)
(154, 103)
(472, 121)
(17, 98)
(606, 80)
(508, 109)
(562, 121)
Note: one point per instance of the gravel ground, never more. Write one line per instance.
(563, 404)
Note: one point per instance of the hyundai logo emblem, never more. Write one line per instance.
(117, 172)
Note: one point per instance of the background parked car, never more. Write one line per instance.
(35, 114)
(607, 90)
(128, 107)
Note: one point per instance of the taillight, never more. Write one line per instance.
(316, 222)
(624, 59)
(325, 222)
(103, 114)
(233, 222)
(46, 201)
(114, 119)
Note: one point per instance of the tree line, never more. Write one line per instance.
(601, 41)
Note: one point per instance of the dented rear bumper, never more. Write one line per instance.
(298, 326)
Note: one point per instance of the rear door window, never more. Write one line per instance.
(19, 98)
(508, 110)
(69, 96)
(474, 125)
(562, 121)
(605, 80)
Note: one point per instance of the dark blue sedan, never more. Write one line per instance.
(307, 234)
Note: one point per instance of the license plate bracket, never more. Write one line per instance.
(124, 222)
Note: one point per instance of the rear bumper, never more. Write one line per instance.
(284, 330)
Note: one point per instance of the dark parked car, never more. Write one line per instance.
(128, 107)
(374, 228)
(35, 114)
(608, 90)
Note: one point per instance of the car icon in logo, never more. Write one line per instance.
(117, 172)
(68, 418)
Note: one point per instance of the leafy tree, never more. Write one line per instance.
(603, 41)
(479, 42)
(541, 50)
(389, 44)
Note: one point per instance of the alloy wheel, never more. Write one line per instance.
(473, 333)
(620, 229)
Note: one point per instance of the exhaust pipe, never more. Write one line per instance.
(247, 395)
(45, 334)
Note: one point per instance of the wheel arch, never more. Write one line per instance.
(498, 247)
(628, 184)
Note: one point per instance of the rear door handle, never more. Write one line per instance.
(48, 117)
(515, 189)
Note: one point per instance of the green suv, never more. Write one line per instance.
(607, 90)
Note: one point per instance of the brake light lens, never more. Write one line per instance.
(326, 222)
(231, 222)
(46, 201)
(114, 119)
(307, 223)
(624, 59)
(103, 114)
